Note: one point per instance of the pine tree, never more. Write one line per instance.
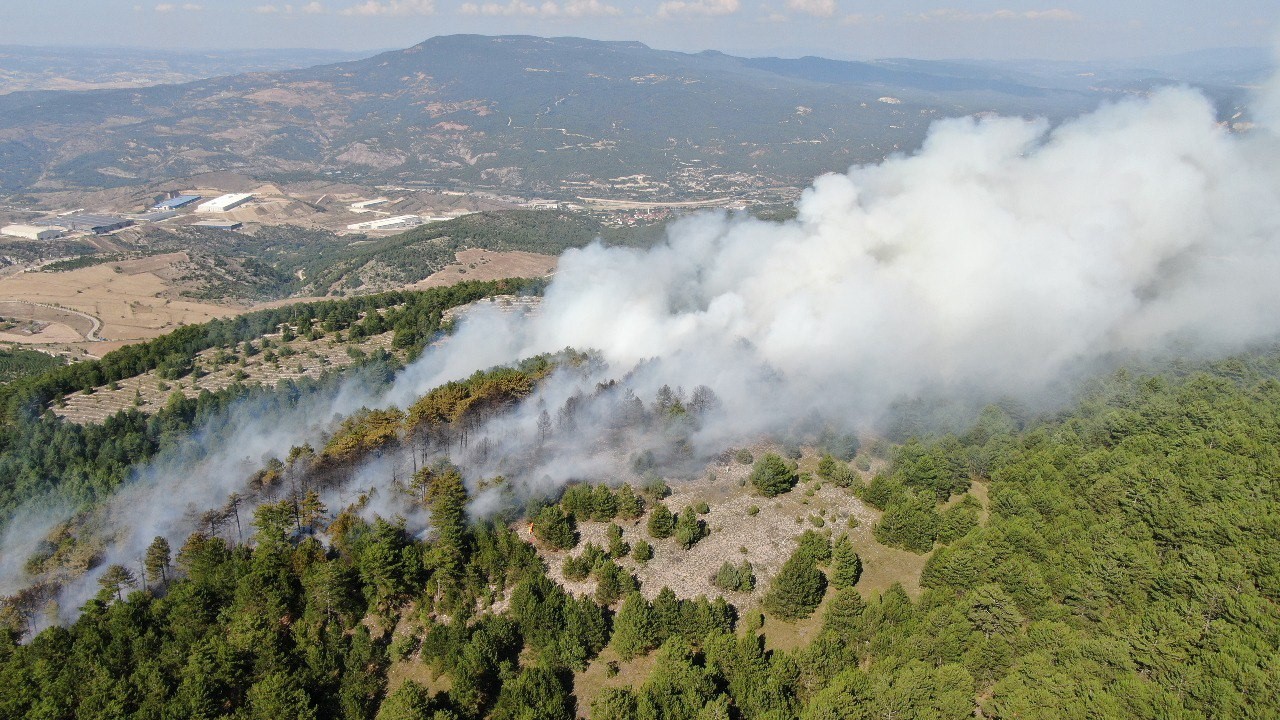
(446, 496)
(115, 579)
(689, 529)
(630, 506)
(553, 527)
(618, 548)
(642, 552)
(634, 629)
(157, 561)
(661, 522)
(772, 476)
(846, 566)
(797, 589)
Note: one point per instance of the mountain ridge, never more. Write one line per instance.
(519, 113)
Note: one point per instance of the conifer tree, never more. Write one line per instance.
(661, 522)
(634, 629)
(846, 566)
(771, 475)
(157, 561)
(630, 505)
(797, 589)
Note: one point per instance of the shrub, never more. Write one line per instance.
(735, 578)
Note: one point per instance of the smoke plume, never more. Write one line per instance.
(1000, 258)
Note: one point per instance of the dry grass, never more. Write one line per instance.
(766, 539)
(588, 684)
(475, 264)
(134, 299)
(411, 666)
(311, 359)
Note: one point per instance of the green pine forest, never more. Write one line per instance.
(1124, 564)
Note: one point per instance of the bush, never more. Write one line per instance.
(642, 552)
(735, 578)
(655, 488)
(744, 456)
(402, 647)
(753, 510)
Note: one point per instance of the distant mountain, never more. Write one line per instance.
(57, 68)
(560, 116)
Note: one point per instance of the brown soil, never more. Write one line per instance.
(489, 265)
(134, 299)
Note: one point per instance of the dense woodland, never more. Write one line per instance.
(1125, 565)
(52, 462)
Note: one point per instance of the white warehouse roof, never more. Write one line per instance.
(222, 203)
(399, 221)
(33, 232)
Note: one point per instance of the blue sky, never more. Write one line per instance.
(833, 28)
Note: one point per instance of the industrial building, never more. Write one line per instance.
(174, 203)
(223, 203)
(399, 222)
(218, 224)
(33, 232)
(364, 205)
(96, 224)
(155, 216)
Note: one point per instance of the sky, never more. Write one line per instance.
(847, 29)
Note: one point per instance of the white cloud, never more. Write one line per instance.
(817, 8)
(707, 8)
(860, 19)
(952, 14)
(392, 7)
(171, 7)
(312, 8)
(570, 8)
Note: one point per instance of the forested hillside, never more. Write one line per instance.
(53, 462)
(1124, 564)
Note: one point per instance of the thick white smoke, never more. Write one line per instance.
(1002, 256)
(999, 257)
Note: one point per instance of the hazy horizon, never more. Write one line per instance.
(982, 30)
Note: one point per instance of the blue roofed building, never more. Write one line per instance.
(176, 202)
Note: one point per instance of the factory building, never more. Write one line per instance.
(96, 224)
(223, 203)
(174, 203)
(155, 216)
(218, 224)
(33, 232)
(399, 222)
(364, 205)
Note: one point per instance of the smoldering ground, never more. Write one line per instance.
(1002, 257)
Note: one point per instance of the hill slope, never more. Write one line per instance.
(551, 116)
